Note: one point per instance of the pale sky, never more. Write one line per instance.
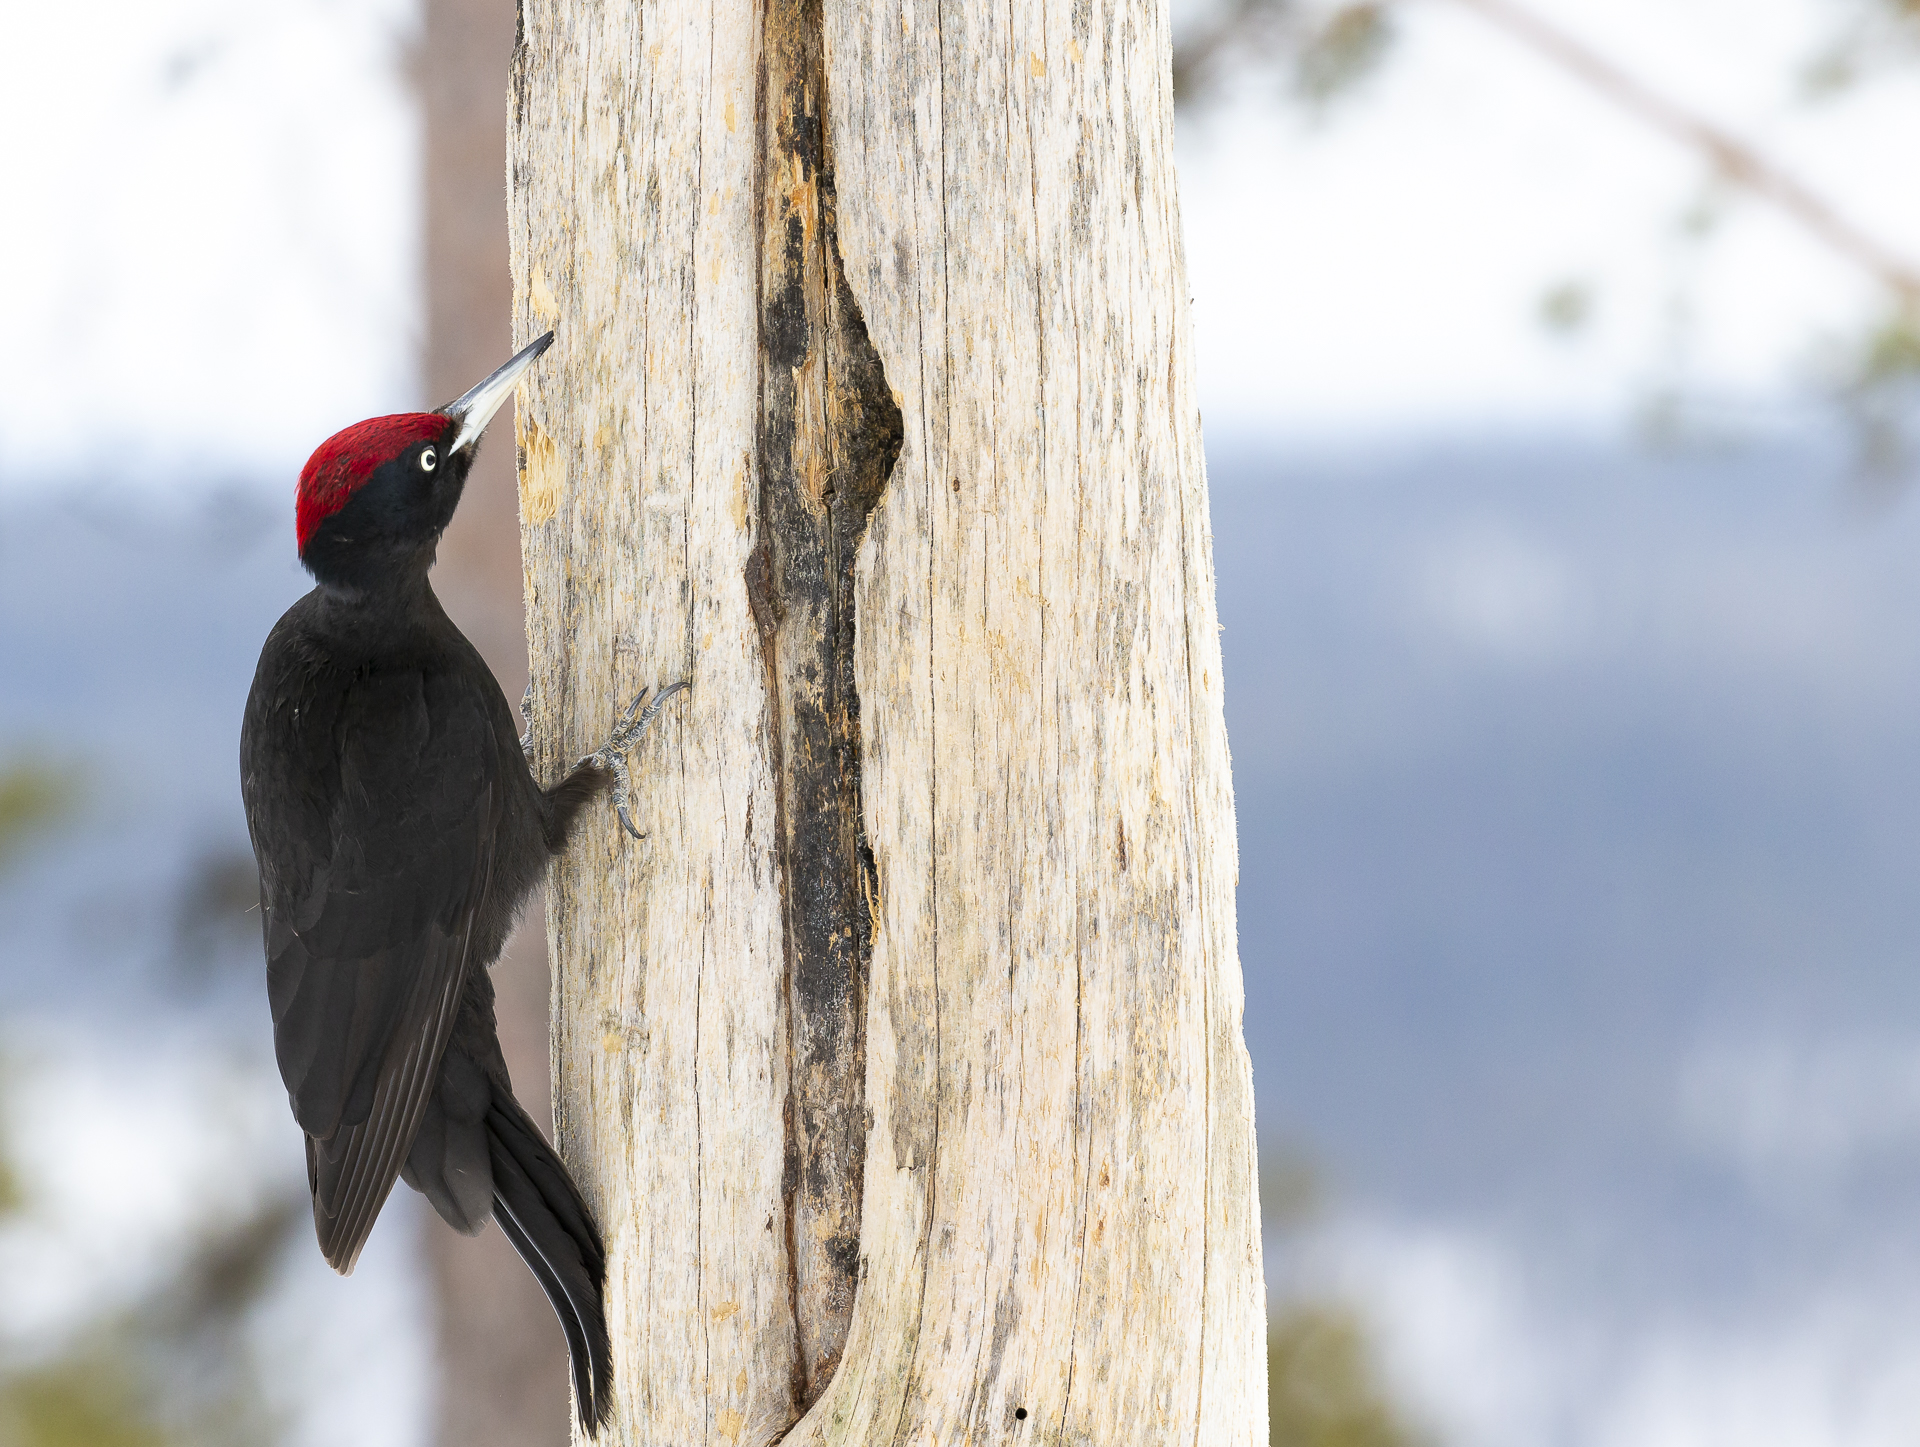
(1383, 271)
(212, 246)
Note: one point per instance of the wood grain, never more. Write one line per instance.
(829, 437)
(1058, 1227)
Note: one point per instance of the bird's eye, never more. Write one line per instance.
(429, 460)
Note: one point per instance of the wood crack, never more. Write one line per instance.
(828, 436)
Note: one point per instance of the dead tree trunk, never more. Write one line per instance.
(902, 1060)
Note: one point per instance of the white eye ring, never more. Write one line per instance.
(429, 460)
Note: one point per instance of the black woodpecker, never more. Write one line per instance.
(399, 830)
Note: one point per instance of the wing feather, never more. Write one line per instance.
(349, 1195)
(375, 810)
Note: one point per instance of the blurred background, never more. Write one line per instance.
(1560, 364)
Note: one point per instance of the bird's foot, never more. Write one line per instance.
(526, 717)
(627, 732)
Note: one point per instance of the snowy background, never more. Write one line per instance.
(1574, 694)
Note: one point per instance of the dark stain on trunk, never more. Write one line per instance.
(829, 435)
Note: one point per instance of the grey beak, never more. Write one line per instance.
(475, 410)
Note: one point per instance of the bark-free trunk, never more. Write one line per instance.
(902, 1060)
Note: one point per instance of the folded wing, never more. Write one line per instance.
(375, 887)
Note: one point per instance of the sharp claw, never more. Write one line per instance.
(627, 733)
(526, 717)
(622, 791)
(639, 725)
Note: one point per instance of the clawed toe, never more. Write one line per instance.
(628, 730)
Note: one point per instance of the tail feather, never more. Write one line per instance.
(540, 1209)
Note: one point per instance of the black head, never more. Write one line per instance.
(375, 497)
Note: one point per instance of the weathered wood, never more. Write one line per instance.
(829, 437)
(872, 413)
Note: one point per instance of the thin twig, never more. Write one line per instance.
(1733, 158)
(1249, 23)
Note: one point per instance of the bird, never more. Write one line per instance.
(399, 829)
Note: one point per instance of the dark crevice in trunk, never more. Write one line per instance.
(829, 435)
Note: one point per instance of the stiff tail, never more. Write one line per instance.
(539, 1207)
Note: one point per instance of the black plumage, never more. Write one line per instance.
(399, 830)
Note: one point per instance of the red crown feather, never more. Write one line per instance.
(341, 464)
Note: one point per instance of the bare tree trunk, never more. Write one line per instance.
(503, 1359)
(902, 1060)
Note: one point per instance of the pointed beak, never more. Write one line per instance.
(475, 410)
